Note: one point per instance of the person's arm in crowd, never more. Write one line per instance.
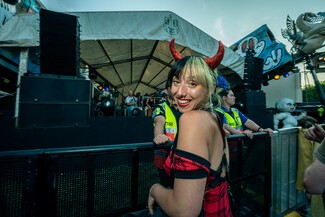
(226, 131)
(134, 101)
(256, 128)
(315, 133)
(147, 102)
(159, 130)
(234, 131)
(314, 175)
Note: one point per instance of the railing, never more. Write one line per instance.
(115, 179)
(285, 196)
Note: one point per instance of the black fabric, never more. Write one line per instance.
(232, 201)
(157, 213)
(141, 213)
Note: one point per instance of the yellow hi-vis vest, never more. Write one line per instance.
(170, 123)
(234, 122)
(170, 131)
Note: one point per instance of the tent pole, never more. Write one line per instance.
(21, 71)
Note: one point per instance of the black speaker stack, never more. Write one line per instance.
(57, 96)
(253, 104)
(51, 101)
(59, 43)
(253, 72)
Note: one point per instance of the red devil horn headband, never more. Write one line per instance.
(176, 55)
(213, 62)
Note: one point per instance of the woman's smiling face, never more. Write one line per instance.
(188, 93)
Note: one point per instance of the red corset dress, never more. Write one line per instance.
(185, 165)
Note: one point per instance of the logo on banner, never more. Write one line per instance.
(171, 25)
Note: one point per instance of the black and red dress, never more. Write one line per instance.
(186, 165)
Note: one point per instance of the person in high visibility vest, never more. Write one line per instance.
(165, 119)
(234, 120)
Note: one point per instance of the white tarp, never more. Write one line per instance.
(129, 50)
(21, 30)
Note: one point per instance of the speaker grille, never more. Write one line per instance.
(59, 43)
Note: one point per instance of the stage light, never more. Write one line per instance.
(277, 77)
(286, 75)
(295, 70)
(320, 64)
(323, 58)
(100, 87)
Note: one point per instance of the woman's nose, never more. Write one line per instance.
(181, 91)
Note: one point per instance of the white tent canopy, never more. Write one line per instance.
(129, 50)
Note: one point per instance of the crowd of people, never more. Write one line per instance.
(135, 104)
(196, 118)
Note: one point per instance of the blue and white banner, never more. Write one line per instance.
(263, 43)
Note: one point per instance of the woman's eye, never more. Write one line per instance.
(176, 81)
(192, 84)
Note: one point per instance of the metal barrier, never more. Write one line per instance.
(114, 179)
(285, 196)
(250, 173)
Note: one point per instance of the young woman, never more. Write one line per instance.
(197, 165)
(150, 103)
(234, 121)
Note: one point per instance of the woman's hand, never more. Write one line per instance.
(161, 139)
(248, 133)
(315, 133)
(151, 200)
(269, 131)
(226, 132)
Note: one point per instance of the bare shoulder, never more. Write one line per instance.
(192, 134)
(196, 120)
(193, 117)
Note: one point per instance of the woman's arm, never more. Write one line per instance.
(314, 178)
(147, 102)
(231, 129)
(187, 196)
(252, 125)
(159, 130)
(234, 131)
(257, 128)
(314, 175)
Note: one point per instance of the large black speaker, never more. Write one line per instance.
(253, 72)
(49, 101)
(253, 105)
(59, 43)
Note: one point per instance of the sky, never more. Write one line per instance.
(225, 20)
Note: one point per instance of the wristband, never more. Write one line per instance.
(258, 130)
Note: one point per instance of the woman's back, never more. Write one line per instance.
(208, 142)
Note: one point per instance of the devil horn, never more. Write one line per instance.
(176, 55)
(214, 61)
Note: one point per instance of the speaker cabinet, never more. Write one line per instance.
(47, 101)
(59, 43)
(253, 105)
(253, 72)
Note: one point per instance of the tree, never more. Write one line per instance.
(309, 93)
